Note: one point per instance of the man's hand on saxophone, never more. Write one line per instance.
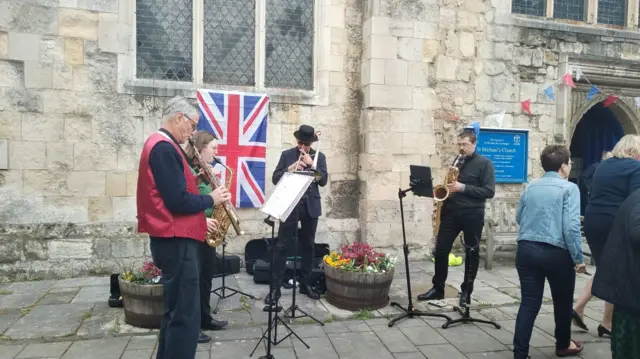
(220, 195)
(454, 187)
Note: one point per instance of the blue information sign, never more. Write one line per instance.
(508, 150)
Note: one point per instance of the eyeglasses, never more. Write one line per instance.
(194, 125)
(304, 143)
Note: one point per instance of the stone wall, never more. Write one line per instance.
(68, 197)
(403, 78)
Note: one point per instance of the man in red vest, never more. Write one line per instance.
(171, 211)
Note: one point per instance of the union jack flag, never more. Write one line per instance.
(239, 120)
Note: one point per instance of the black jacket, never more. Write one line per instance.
(617, 279)
(287, 158)
(478, 176)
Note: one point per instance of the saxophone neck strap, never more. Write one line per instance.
(189, 160)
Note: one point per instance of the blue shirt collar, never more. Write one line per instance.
(552, 174)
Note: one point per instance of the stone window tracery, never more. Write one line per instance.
(611, 13)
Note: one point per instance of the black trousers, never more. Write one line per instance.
(537, 262)
(451, 224)
(207, 269)
(285, 244)
(177, 258)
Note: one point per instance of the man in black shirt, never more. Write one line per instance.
(463, 212)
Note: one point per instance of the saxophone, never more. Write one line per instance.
(224, 213)
(441, 192)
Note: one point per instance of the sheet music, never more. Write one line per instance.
(286, 195)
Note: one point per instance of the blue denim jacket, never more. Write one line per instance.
(549, 212)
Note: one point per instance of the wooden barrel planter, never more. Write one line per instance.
(356, 290)
(143, 304)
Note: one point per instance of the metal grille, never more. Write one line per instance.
(569, 9)
(229, 42)
(612, 12)
(164, 39)
(528, 7)
(289, 44)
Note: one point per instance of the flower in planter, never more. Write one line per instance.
(148, 273)
(360, 257)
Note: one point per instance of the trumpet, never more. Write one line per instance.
(317, 175)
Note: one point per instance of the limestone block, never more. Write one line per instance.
(10, 125)
(62, 76)
(126, 248)
(34, 19)
(485, 50)
(418, 74)
(124, 209)
(505, 89)
(503, 51)
(375, 163)
(4, 45)
(132, 182)
(387, 96)
(375, 25)
(74, 51)
(116, 184)
(49, 182)
(406, 121)
(100, 209)
(38, 74)
(94, 156)
(378, 185)
(483, 88)
(124, 15)
(464, 71)
(43, 127)
(52, 49)
(70, 249)
(59, 155)
(537, 57)
(99, 5)
(375, 121)
(529, 90)
(77, 128)
(395, 72)
(467, 44)
(380, 47)
(410, 49)
(86, 183)
(430, 49)
(401, 28)
(339, 36)
(467, 20)
(415, 10)
(383, 234)
(117, 129)
(338, 79)
(392, 142)
(97, 74)
(27, 155)
(335, 16)
(425, 30)
(493, 68)
(336, 63)
(78, 23)
(418, 143)
(423, 98)
(446, 68)
(129, 157)
(11, 74)
(69, 3)
(476, 6)
(402, 162)
(113, 36)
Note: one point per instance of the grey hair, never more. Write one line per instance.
(178, 104)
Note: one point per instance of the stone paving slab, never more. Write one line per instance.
(67, 318)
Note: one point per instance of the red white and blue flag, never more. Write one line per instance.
(239, 120)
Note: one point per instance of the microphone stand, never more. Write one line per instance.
(466, 317)
(410, 311)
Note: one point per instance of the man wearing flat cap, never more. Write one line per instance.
(308, 210)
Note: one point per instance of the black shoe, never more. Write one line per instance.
(203, 338)
(308, 290)
(603, 331)
(214, 324)
(578, 321)
(272, 300)
(463, 299)
(432, 294)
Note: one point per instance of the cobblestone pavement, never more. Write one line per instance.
(71, 319)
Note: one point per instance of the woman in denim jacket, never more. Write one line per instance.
(549, 247)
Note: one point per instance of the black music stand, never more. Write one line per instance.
(223, 288)
(466, 317)
(421, 185)
(273, 306)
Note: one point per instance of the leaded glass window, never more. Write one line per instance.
(164, 40)
(612, 12)
(569, 9)
(528, 7)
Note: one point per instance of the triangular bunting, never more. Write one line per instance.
(592, 92)
(568, 80)
(579, 73)
(549, 92)
(526, 105)
(637, 99)
(610, 100)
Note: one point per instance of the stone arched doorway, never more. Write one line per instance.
(595, 129)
